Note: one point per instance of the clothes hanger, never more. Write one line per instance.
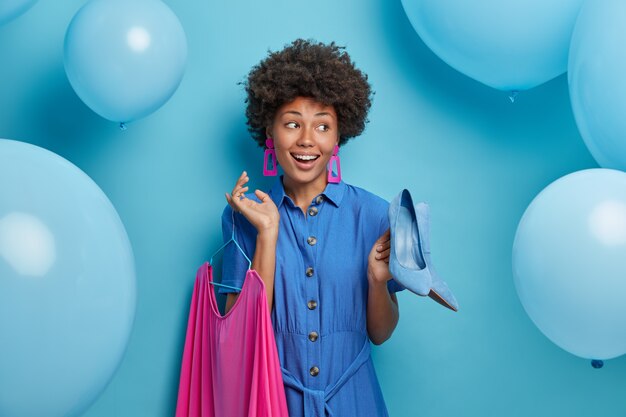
(233, 240)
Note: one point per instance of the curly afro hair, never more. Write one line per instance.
(311, 69)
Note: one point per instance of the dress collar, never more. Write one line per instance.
(333, 192)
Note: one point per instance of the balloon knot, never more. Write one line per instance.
(597, 364)
(513, 95)
(123, 126)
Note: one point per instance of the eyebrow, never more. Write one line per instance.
(297, 113)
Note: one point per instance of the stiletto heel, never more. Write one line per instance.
(407, 263)
(439, 289)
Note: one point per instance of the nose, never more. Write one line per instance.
(306, 137)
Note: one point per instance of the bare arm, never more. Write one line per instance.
(382, 313)
(265, 218)
(382, 307)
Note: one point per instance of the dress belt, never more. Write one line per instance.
(316, 401)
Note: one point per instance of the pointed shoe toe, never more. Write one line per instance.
(440, 292)
(407, 263)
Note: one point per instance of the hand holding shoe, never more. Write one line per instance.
(378, 260)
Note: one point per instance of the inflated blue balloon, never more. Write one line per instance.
(510, 45)
(569, 262)
(67, 285)
(10, 9)
(125, 58)
(597, 85)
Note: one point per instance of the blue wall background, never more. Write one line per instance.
(475, 157)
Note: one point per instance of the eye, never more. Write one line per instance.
(324, 128)
(291, 125)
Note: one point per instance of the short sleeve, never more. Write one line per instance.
(234, 264)
(392, 284)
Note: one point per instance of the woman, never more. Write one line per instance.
(320, 245)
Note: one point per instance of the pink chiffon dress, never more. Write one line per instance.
(230, 364)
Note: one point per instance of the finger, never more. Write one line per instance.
(237, 203)
(231, 202)
(241, 192)
(383, 255)
(380, 247)
(243, 178)
(261, 195)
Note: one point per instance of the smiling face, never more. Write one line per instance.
(305, 133)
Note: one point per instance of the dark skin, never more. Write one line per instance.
(305, 133)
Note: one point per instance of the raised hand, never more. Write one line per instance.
(263, 216)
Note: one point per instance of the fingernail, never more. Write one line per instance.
(379, 248)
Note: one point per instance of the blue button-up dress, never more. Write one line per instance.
(320, 297)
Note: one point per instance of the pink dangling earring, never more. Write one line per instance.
(269, 152)
(335, 159)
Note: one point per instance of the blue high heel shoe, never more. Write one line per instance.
(407, 263)
(439, 290)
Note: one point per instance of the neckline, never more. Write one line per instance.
(333, 192)
(213, 301)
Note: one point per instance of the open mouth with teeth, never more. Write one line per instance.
(304, 159)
